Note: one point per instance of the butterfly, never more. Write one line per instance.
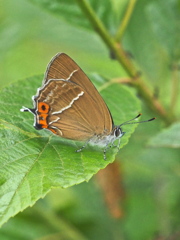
(69, 105)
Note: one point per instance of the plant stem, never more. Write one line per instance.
(109, 41)
(125, 20)
(122, 58)
(152, 102)
(115, 80)
(175, 87)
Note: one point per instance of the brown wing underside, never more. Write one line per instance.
(72, 110)
(61, 67)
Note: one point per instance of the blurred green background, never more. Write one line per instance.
(30, 37)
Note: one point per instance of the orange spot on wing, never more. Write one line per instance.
(43, 120)
(43, 110)
(43, 107)
(52, 130)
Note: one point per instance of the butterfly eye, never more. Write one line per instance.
(117, 132)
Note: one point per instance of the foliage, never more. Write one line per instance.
(33, 162)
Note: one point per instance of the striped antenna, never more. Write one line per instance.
(129, 121)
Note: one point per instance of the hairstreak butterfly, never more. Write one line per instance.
(69, 105)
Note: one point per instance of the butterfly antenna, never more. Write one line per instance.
(129, 121)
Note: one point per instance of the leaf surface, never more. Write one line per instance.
(32, 162)
(169, 137)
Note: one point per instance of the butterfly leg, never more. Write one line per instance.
(113, 145)
(118, 146)
(104, 153)
(110, 146)
(119, 141)
(79, 150)
(105, 150)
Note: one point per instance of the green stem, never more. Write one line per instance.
(125, 21)
(121, 56)
(115, 80)
(108, 40)
(152, 102)
(175, 88)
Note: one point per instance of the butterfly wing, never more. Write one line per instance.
(72, 112)
(63, 67)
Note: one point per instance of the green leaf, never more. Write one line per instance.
(155, 46)
(167, 32)
(32, 162)
(108, 11)
(169, 137)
